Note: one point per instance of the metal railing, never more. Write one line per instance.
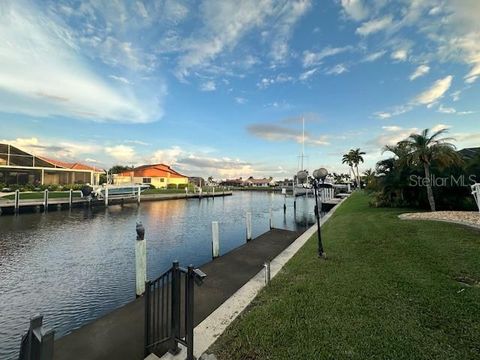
(166, 325)
(37, 342)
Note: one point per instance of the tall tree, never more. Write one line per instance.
(425, 148)
(357, 158)
(347, 159)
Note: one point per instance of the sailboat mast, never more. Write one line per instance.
(303, 142)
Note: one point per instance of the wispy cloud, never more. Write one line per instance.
(337, 70)
(208, 86)
(374, 26)
(42, 73)
(374, 56)
(275, 132)
(354, 9)
(435, 92)
(419, 71)
(315, 58)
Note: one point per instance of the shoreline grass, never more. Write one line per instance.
(39, 195)
(390, 289)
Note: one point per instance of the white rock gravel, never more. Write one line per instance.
(470, 218)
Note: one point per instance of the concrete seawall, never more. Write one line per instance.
(120, 334)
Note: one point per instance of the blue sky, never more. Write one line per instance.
(219, 87)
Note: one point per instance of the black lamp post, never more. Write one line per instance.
(318, 179)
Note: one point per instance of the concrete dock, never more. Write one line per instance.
(8, 206)
(120, 334)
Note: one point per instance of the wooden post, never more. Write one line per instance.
(17, 201)
(249, 225)
(139, 194)
(140, 260)
(45, 200)
(106, 195)
(70, 198)
(215, 240)
(271, 219)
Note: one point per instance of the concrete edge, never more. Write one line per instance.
(207, 332)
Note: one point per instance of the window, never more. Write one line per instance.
(147, 180)
(162, 179)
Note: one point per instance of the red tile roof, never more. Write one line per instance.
(154, 170)
(73, 166)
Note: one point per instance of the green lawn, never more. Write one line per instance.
(39, 195)
(389, 290)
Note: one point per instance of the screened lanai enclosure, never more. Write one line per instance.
(20, 167)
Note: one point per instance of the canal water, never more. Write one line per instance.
(75, 266)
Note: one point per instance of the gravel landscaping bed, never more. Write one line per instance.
(470, 218)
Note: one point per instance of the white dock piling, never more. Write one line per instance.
(215, 240)
(140, 261)
(17, 201)
(45, 200)
(70, 198)
(266, 266)
(106, 195)
(139, 194)
(249, 225)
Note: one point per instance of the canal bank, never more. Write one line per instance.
(76, 266)
(12, 206)
(120, 334)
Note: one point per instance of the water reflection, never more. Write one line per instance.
(73, 266)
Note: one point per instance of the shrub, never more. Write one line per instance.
(172, 186)
(182, 186)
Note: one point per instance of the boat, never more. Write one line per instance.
(119, 191)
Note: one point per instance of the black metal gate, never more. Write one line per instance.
(167, 322)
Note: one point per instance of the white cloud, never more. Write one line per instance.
(280, 78)
(439, 127)
(435, 92)
(419, 71)
(275, 132)
(314, 58)
(398, 110)
(225, 23)
(354, 9)
(446, 110)
(456, 95)
(54, 148)
(374, 26)
(167, 156)
(392, 135)
(42, 74)
(337, 70)
(307, 74)
(208, 86)
(240, 100)
(374, 56)
(120, 79)
(400, 55)
(122, 153)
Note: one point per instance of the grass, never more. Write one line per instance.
(390, 289)
(39, 195)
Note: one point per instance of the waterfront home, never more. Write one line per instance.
(158, 175)
(19, 167)
(259, 182)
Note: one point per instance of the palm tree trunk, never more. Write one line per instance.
(431, 199)
(358, 177)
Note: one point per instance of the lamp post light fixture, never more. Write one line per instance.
(318, 180)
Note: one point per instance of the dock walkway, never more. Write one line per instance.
(119, 334)
(8, 206)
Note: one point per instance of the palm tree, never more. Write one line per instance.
(423, 149)
(357, 159)
(347, 159)
(369, 176)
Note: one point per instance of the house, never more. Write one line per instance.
(19, 167)
(259, 182)
(158, 175)
(232, 182)
(196, 180)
